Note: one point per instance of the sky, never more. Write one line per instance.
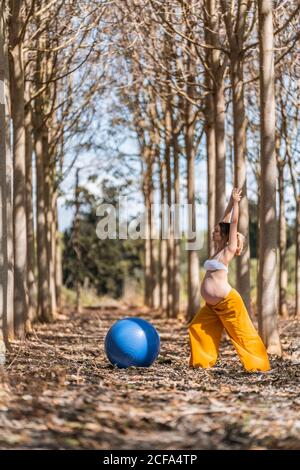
(103, 159)
(66, 213)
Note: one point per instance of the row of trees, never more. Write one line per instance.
(43, 46)
(185, 75)
(195, 72)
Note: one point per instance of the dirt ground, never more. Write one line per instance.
(58, 391)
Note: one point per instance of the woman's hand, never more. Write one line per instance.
(236, 194)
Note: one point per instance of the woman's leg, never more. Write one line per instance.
(244, 336)
(205, 332)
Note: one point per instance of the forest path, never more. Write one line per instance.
(58, 391)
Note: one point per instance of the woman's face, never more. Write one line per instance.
(216, 234)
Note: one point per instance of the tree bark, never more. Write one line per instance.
(170, 251)
(267, 305)
(218, 69)
(44, 310)
(297, 273)
(193, 260)
(54, 235)
(211, 168)
(48, 188)
(235, 29)
(210, 133)
(176, 252)
(220, 181)
(9, 198)
(294, 181)
(163, 243)
(58, 264)
(31, 258)
(243, 261)
(148, 260)
(19, 198)
(152, 229)
(155, 230)
(190, 151)
(3, 197)
(76, 244)
(283, 277)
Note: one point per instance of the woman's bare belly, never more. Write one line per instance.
(215, 286)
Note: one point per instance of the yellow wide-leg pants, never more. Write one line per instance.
(206, 328)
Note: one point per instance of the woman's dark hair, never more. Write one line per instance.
(224, 229)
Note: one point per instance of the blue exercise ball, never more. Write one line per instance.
(132, 342)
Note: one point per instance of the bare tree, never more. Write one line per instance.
(235, 22)
(282, 226)
(9, 187)
(293, 164)
(219, 64)
(3, 197)
(31, 259)
(267, 307)
(16, 21)
(210, 132)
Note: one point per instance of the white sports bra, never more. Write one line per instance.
(213, 264)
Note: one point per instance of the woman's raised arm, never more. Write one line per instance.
(232, 242)
(236, 197)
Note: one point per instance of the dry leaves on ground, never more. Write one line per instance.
(58, 391)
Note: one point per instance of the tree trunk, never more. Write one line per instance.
(211, 167)
(220, 181)
(3, 196)
(190, 150)
(152, 231)
(239, 124)
(267, 308)
(155, 229)
(235, 29)
(44, 310)
(19, 198)
(283, 311)
(295, 182)
(170, 251)
(31, 259)
(257, 242)
(147, 243)
(193, 261)
(147, 265)
(76, 244)
(219, 112)
(155, 251)
(297, 273)
(49, 167)
(54, 235)
(176, 252)
(48, 188)
(163, 243)
(210, 133)
(9, 199)
(58, 264)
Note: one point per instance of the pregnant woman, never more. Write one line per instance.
(224, 307)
